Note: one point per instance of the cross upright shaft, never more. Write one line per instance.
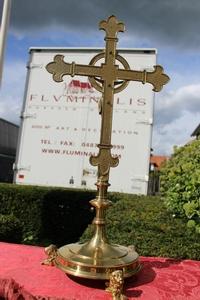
(109, 76)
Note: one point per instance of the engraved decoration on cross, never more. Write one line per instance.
(108, 79)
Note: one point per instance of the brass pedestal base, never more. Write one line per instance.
(84, 261)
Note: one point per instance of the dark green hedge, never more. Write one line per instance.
(41, 216)
(145, 223)
(10, 228)
(47, 215)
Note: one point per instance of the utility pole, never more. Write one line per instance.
(3, 32)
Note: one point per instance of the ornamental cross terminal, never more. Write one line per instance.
(105, 78)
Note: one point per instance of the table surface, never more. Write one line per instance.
(21, 274)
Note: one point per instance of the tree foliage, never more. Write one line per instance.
(180, 183)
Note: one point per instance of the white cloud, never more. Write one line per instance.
(177, 114)
(11, 96)
(177, 133)
(171, 105)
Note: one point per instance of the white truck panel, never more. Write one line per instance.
(60, 126)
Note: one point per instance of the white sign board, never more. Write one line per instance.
(60, 125)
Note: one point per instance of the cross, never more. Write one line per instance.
(105, 78)
(98, 258)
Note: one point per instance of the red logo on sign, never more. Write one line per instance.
(21, 176)
(76, 86)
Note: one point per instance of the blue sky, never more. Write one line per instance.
(171, 26)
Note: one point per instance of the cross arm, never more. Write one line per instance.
(157, 78)
(59, 68)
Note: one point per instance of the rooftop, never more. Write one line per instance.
(157, 160)
(196, 132)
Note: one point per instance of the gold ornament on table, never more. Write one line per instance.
(116, 284)
(51, 252)
(98, 258)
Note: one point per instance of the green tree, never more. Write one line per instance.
(180, 183)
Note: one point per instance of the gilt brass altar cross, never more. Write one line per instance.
(97, 258)
(109, 74)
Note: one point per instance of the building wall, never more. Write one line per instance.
(8, 145)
